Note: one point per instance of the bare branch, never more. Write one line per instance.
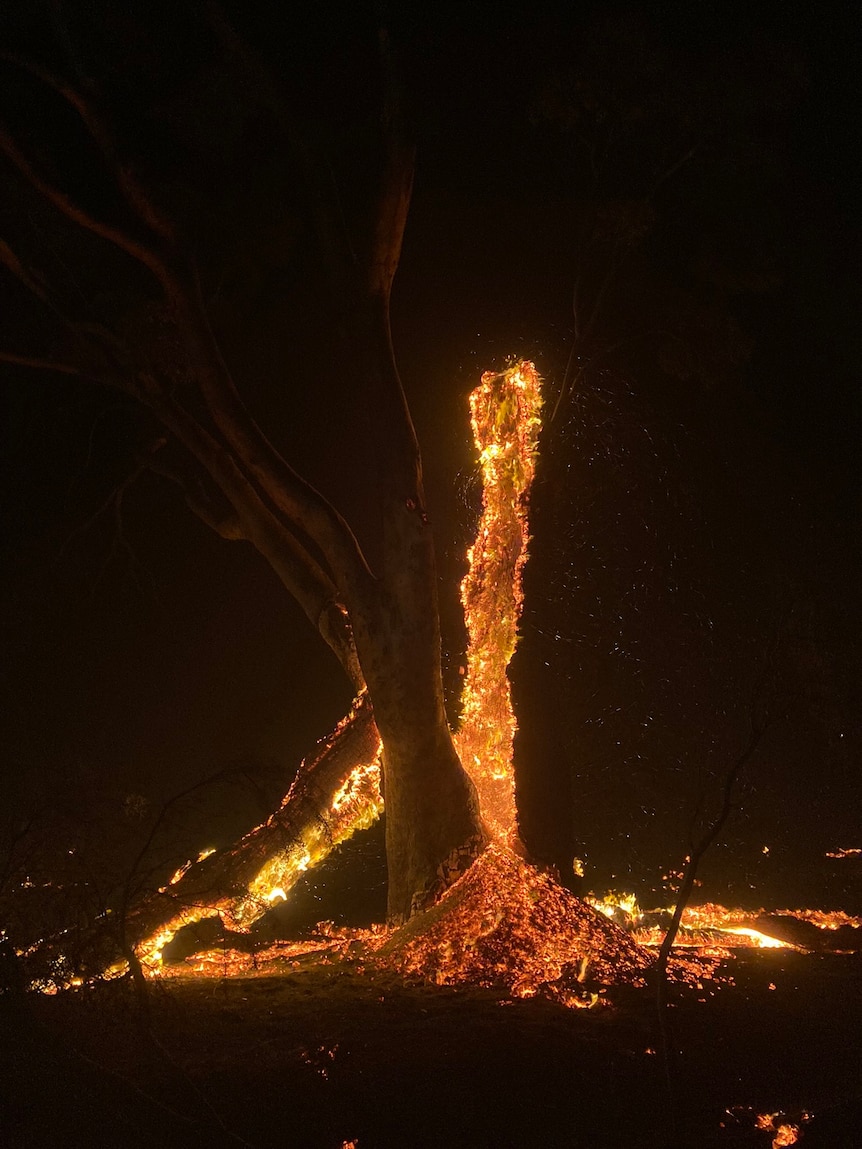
(255, 522)
(220, 518)
(300, 502)
(73, 211)
(321, 190)
(11, 261)
(93, 335)
(394, 199)
(134, 193)
(52, 365)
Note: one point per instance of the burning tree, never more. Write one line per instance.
(449, 799)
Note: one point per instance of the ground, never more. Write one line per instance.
(328, 1056)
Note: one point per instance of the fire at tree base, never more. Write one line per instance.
(504, 925)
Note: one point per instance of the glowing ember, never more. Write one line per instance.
(823, 919)
(178, 874)
(150, 952)
(507, 924)
(760, 940)
(505, 418)
(852, 852)
(356, 805)
(785, 1132)
(705, 924)
(504, 412)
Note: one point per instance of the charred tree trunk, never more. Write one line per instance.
(433, 827)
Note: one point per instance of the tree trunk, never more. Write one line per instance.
(433, 825)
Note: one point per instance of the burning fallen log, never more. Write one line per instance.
(336, 792)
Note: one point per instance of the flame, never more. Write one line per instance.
(823, 919)
(355, 806)
(612, 905)
(185, 867)
(759, 940)
(481, 944)
(786, 1133)
(504, 414)
(150, 951)
(700, 923)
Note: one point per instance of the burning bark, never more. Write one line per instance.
(504, 413)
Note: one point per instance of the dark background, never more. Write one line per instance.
(696, 549)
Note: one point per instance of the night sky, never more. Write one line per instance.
(697, 511)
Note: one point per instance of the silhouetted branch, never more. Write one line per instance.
(39, 364)
(321, 191)
(86, 106)
(73, 211)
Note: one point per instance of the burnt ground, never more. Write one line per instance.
(327, 1056)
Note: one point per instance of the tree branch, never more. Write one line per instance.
(133, 191)
(299, 502)
(52, 365)
(63, 202)
(397, 185)
(321, 190)
(92, 335)
(299, 572)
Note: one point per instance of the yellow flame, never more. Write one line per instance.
(761, 941)
(172, 881)
(613, 903)
(150, 951)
